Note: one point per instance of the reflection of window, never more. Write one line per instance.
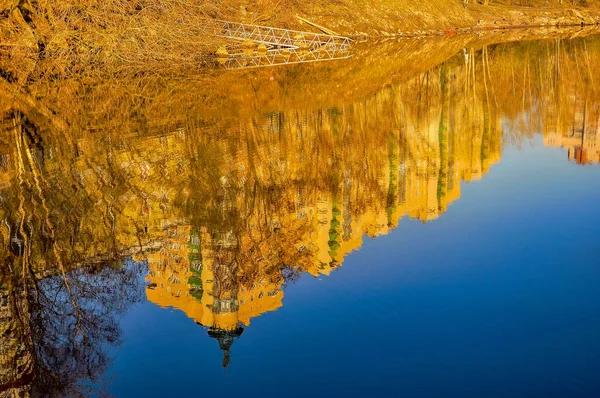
(195, 240)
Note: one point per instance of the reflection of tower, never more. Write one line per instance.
(196, 272)
(225, 326)
(225, 339)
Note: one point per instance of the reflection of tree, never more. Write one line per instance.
(102, 294)
(64, 340)
(245, 177)
(58, 318)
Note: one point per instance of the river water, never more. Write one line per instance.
(420, 220)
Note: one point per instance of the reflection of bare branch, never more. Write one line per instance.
(57, 362)
(56, 246)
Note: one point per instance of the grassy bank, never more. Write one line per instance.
(409, 18)
(58, 38)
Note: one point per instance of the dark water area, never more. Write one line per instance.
(420, 220)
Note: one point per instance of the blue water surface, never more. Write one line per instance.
(497, 298)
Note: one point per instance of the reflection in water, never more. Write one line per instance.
(225, 210)
(580, 138)
(56, 331)
(277, 57)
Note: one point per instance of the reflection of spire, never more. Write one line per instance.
(225, 339)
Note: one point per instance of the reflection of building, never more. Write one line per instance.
(181, 276)
(582, 145)
(581, 138)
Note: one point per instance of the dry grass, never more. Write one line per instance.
(58, 39)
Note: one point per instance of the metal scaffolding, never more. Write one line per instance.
(275, 38)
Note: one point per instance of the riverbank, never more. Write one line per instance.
(58, 39)
(410, 19)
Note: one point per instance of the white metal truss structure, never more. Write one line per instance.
(281, 57)
(276, 37)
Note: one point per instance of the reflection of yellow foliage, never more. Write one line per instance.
(293, 191)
